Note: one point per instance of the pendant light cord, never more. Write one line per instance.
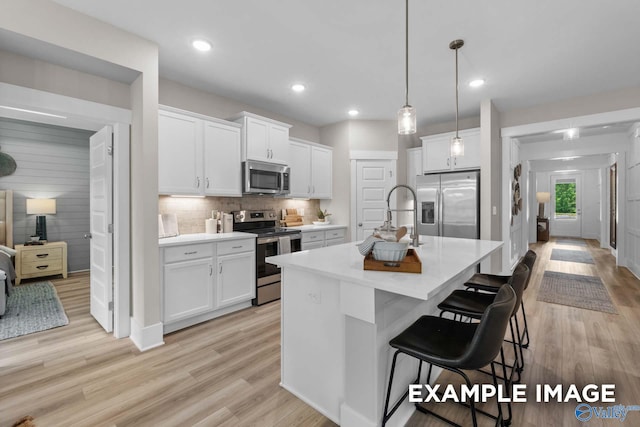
(406, 57)
(456, 92)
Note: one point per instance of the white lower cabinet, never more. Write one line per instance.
(188, 288)
(206, 280)
(235, 278)
(314, 239)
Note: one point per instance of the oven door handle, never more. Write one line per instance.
(266, 240)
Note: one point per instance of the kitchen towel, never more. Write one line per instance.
(367, 245)
(284, 245)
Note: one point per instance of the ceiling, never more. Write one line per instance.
(350, 54)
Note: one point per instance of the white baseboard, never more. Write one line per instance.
(148, 337)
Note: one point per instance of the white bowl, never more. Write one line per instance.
(390, 251)
(34, 238)
(325, 222)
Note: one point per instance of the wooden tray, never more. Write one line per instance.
(410, 264)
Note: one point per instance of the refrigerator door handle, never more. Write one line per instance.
(441, 215)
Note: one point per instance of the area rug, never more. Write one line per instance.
(33, 307)
(571, 256)
(571, 242)
(575, 290)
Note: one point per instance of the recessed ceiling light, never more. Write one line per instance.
(476, 83)
(298, 87)
(605, 127)
(353, 113)
(201, 45)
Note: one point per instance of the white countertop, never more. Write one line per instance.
(203, 238)
(443, 259)
(311, 227)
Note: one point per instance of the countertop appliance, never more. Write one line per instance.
(271, 241)
(265, 178)
(449, 204)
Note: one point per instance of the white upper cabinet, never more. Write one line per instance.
(179, 154)
(436, 155)
(311, 170)
(222, 161)
(299, 162)
(263, 139)
(414, 167)
(198, 155)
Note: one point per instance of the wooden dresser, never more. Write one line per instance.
(48, 259)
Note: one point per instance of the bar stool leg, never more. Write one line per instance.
(526, 327)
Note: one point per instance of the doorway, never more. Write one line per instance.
(80, 114)
(566, 212)
(613, 203)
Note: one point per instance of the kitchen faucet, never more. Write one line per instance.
(415, 239)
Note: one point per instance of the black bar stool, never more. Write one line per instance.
(492, 282)
(473, 305)
(455, 346)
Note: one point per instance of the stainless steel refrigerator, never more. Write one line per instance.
(449, 204)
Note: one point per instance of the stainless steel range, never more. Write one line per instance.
(271, 240)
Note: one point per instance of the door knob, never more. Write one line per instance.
(87, 235)
(360, 224)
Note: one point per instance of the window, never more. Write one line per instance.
(565, 199)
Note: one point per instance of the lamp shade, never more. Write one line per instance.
(543, 197)
(41, 206)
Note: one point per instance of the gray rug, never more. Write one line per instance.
(576, 291)
(571, 242)
(571, 256)
(33, 307)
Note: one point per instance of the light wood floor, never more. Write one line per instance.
(226, 372)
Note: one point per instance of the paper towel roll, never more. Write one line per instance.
(211, 226)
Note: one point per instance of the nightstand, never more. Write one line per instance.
(543, 229)
(48, 259)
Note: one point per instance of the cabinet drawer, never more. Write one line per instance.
(333, 242)
(236, 246)
(187, 252)
(312, 236)
(335, 234)
(37, 255)
(44, 266)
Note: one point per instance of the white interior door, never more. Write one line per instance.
(101, 174)
(374, 180)
(566, 205)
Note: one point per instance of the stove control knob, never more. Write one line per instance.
(272, 215)
(239, 217)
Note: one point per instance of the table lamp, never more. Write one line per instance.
(542, 197)
(41, 208)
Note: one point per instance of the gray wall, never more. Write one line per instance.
(53, 162)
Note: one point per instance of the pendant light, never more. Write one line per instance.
(457, 144)
(407, 114)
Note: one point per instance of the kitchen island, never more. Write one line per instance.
(337, 320)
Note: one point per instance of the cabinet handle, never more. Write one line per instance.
(220, 271)
(309, 189)
(197, 182)
(191, 253)
(42, 267)
(210, 270)
(207, 182)
(448, 162)
(236, 247)
(42, 255)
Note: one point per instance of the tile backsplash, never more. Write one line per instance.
(193, 211)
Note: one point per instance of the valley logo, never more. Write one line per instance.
(585, 412)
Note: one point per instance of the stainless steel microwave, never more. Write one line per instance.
(265, 178)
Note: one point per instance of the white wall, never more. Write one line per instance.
(49, 22)
(632, 237)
